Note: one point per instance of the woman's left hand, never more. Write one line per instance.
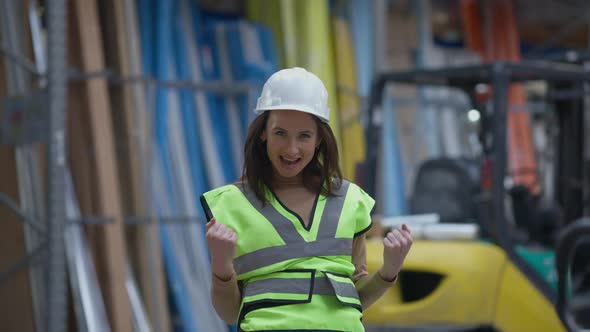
(396, 246)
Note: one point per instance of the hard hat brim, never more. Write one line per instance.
(300, 108)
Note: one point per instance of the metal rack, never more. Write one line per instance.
(52, 231)
(54, 284)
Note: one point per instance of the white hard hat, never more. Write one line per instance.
(295, 89)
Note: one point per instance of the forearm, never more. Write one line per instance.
(225, 296)
(371, 288)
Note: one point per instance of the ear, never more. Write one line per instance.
(317, 144)
(263, 136)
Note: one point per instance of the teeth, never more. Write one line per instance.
(290, 162)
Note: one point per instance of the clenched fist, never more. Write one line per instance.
(221, 241)
(396, 246)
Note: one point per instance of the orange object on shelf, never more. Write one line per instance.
(495, 37)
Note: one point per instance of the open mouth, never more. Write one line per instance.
(290, 163)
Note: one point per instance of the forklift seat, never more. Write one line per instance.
(447, 187)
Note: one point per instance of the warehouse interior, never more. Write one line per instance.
(468, 120)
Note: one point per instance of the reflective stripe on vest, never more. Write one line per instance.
(295, 247)
(344, 289)
(322, 286)
(298, 286)
(268, 256)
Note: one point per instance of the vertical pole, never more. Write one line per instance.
(499, 124)
(57, 85)
(379, 63)
(428, 119)
(586, 143)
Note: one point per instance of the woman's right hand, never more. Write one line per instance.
(221, 241)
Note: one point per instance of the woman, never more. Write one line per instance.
(287, 242)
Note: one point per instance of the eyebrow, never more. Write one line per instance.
(301, 132)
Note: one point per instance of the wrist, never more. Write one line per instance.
(387, 276)
(224, 272)
(223, 277)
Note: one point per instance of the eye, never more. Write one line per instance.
(280, 133)
(305, 136)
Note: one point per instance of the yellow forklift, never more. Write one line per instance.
(499, 281)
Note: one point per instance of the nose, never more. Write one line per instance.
(292, 147)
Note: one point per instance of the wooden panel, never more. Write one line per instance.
(95, 116)
(143, 241)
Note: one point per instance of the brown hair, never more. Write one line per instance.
(321, 174)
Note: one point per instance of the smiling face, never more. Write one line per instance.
(291, 139)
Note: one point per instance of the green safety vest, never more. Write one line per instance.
(294, 277)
